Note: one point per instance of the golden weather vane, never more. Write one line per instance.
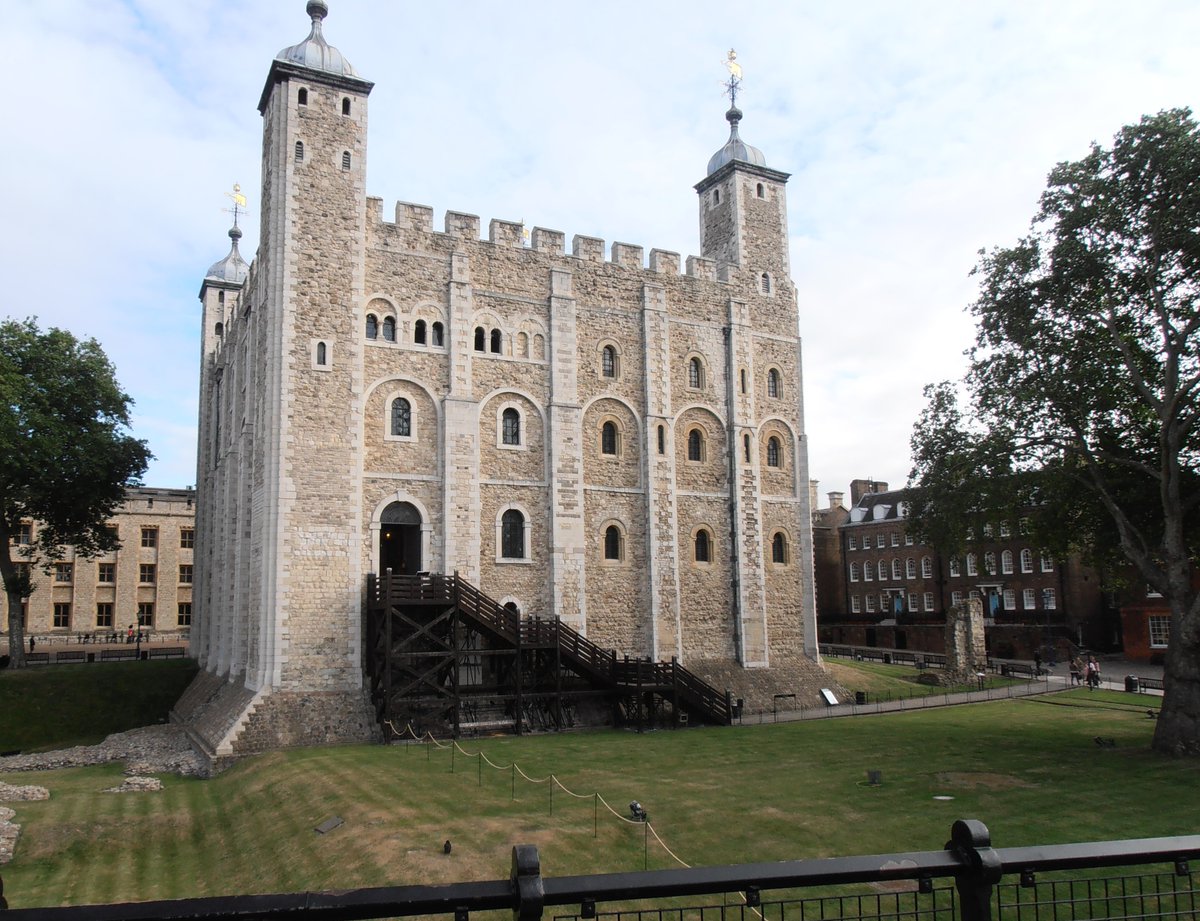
(734, 83)
(239, 203)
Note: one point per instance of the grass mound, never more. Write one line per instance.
(57, 706)
(1030, 770)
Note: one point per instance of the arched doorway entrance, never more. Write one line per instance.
(400, 539)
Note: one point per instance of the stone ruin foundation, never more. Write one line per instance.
(966, 650)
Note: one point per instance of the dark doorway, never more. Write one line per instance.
(400, 539)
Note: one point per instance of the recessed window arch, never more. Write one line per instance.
(299, 152)
(662, 439)
(480, 339)
(702, 546)
(695, 445)
(539, 346)
(345, 159)
(881, 570)
(346, 111)
(522, 345)
(419, 332)
(372, 326)
(513, 528)
(302, 96)
(696, 373)
(716, 196)
(779, 548)
(926, 568)
(610, 438)
(760, 191)
(614, 543)
(896, 569)
(437, 334)
(910, 568)
(774, 383)
(854, 571)
(1006, 562)
(772, 451)
(510, 427)
(1026, 560)
(608, 361)
(401, 418)
(389, 329)
(764, 282)
(495, 341)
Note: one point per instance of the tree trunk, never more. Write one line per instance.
(16, 632)
(1178, 729)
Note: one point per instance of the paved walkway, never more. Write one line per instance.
(1112, 678)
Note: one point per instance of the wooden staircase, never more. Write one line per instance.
(444, 657)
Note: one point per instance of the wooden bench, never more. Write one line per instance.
(167, 652)
(112, 655)
(37, 658)
(70, 655)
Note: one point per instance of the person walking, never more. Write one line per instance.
(1093, 673)
(1076, 672)
(31, 644)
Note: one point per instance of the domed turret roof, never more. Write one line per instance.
(232, 269)
(735, 148)
(314, 52)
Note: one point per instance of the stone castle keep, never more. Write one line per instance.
(609, 438)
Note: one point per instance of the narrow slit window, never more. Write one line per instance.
(302, 97)
(299, 151)
(345, 159)
(346, 111)
(389, 329)
(419, 332)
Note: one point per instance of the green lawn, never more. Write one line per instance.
(1028, 768)
(884, 682)
(55, 706)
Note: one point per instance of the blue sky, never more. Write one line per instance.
(915, 134)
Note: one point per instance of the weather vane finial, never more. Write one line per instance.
(239, 203)
(734, 83)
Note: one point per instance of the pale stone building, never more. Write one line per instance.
(147, 582)
(592, 435)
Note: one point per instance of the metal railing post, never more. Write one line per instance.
(971, 842)
(526, 877)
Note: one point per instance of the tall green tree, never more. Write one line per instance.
(1081, 401)
(66, 454)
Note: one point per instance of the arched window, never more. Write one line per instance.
(772, 451)
(696, 374)
(522, 345)
(703, 552)
(716, 196)
(510, 422)
(346, 111)
(219, 329)
(389, 329)
(854, 572)
(896, 569)
(910, 568)
(1026, 560)
(662, 439)
(419, 332)
(746, 447)
(612, 542)
(321, 353)
(480, 339)
(773, 383)
(496, 341)
(299, 151)
(779, 548)
(926, 568)
(539, 346)
(760, 191)
(972, 565)
(868, 572)
(608, 438)
(345, 159)
(1006, 562)
(302, 97)
(372, 326)
(764, 282)
(401, 417)
(608, 361)
(512, 535)
(438, 334)
(989, 563)
(695, 445)
(881, 570)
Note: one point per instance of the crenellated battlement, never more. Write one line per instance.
(459, 224)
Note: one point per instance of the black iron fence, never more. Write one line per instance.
(968, 880)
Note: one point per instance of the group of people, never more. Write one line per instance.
(1089, 673)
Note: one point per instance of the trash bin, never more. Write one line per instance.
(91, 657)
(1004, 669)
(860, 697)
(887, 658)
(1131, 684)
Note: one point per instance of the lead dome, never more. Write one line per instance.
(314, 52)
(735, 148)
